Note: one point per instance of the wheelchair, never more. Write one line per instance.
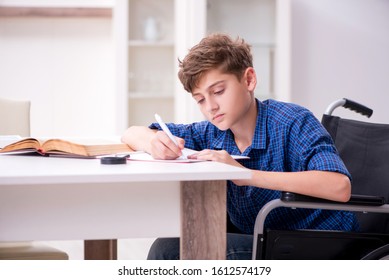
(364, 148)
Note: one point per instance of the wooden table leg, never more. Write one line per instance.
(203, 220)
(100, 249)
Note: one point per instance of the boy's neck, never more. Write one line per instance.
(244, 132)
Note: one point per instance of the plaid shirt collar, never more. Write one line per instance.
(225, 138)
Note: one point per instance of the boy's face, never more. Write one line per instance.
(223, 99)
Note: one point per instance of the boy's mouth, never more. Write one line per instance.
(217, 117)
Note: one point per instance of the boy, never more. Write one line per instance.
(289, 150)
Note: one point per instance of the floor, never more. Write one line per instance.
(128, 249)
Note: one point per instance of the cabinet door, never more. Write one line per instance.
(150, 60)
(254, 21)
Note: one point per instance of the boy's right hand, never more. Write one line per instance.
(162, 147)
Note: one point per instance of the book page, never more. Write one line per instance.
(141, 155)
(186, 152)
(59, 146)
(25, 144)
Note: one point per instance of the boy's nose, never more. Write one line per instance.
(212, 105)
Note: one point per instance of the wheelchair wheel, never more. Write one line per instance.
(381, 253)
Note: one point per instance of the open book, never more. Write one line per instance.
(64, 148)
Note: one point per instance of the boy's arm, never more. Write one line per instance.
(323, 184)
(138, 138)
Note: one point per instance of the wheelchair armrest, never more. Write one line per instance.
(355, 199)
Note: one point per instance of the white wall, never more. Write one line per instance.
(65, 66)
(341, 49)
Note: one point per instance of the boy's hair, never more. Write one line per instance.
(216, 51)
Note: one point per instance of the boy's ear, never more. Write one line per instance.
(250, 78)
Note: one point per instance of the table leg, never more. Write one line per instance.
(100, 249)
(203, 220)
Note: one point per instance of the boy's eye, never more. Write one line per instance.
(219, 91)
(199, 101)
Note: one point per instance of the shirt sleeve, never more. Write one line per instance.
(313, 145)
(196, 135)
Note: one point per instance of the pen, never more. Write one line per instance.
(165, 129)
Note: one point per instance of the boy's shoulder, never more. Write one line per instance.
(282, 106)
(285, 112)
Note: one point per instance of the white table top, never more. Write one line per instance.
(22, 169)
(53, 198)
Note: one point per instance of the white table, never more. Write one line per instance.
(52, 198)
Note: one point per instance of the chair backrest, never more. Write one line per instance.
(364, 148)
(14, 117)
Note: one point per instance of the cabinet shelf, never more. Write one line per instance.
(59, 8)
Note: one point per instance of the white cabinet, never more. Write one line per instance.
(150, 60)
(253, 21)
(152, 34)
(145, 60)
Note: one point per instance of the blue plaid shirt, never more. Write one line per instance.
(287, 138)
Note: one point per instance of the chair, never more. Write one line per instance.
(15, 120)
(364, 148)
(14, 117)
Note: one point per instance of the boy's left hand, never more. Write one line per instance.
(220, 156)
(213, 155)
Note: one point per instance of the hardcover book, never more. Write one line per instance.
(64, 148)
